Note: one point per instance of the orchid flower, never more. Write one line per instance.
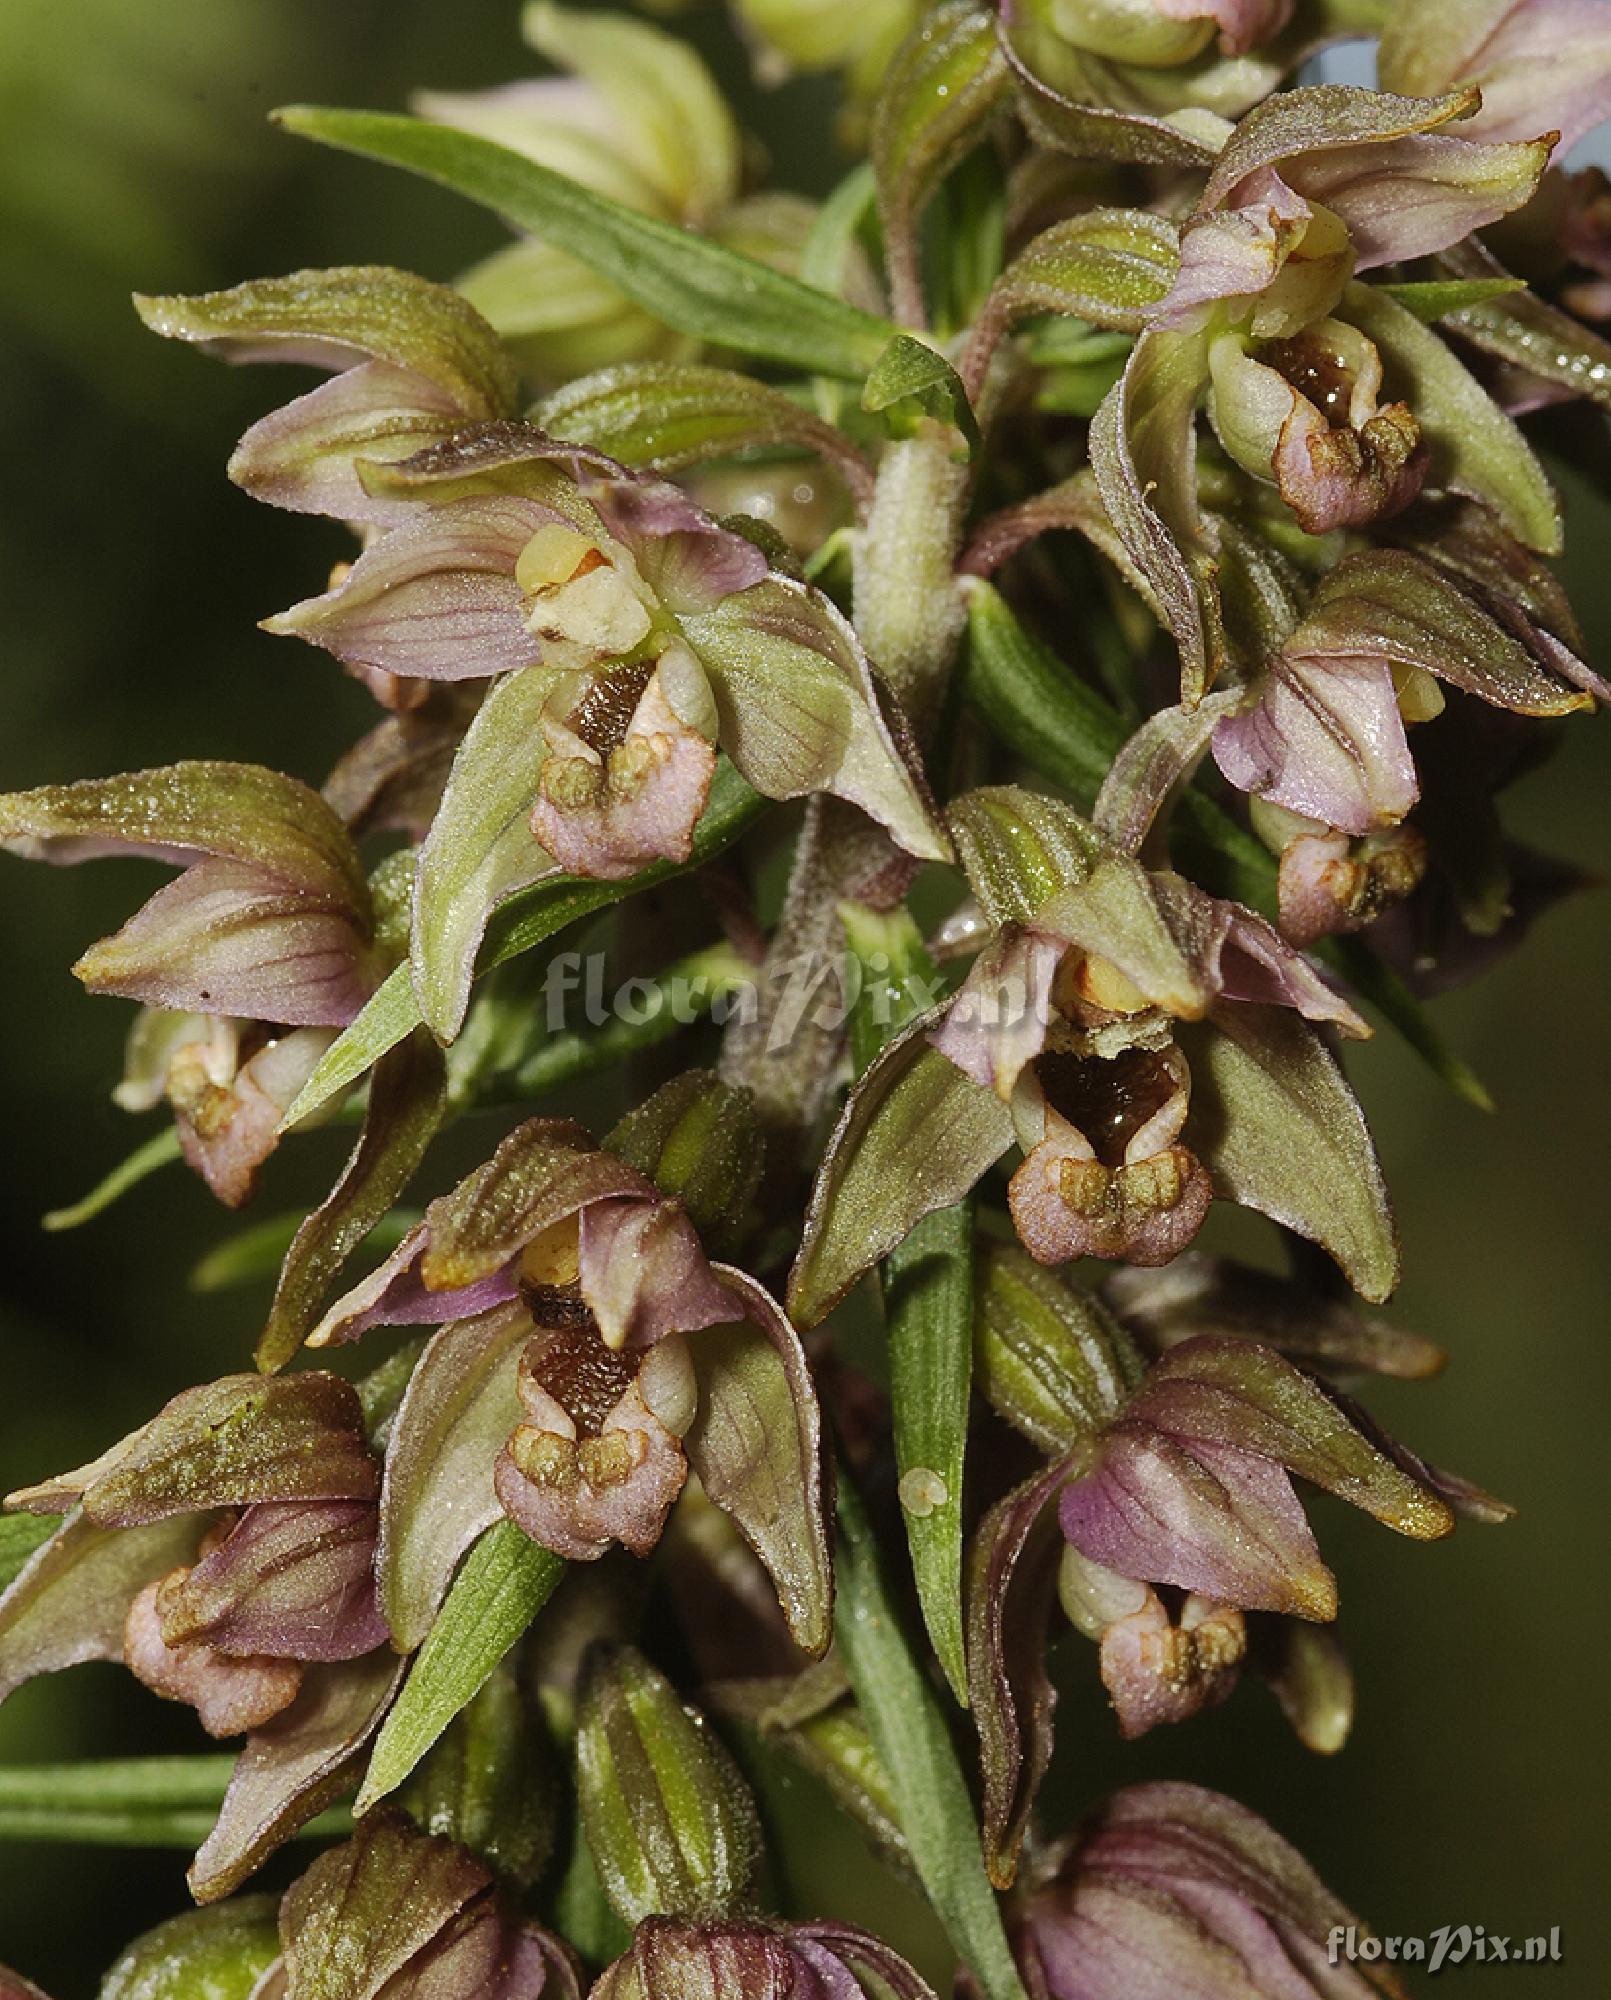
(225, 1552)
(247, 964)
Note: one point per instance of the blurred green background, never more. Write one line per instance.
(133, 152)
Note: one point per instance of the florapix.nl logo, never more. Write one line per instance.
(1449, 1944)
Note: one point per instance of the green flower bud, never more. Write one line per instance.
(1131, 31)
(489, 1782)
(670, 1822)
(216, 1954)
(700, 1140)
(1050, 1357)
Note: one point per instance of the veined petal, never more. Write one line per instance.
(799, 712)
(644, 1274)
(1540, 64)
(304, 456)
(435, 598)
(1205, 1517)
(997, 1023)
(223, 940)
(1244, 1397)
(1326, 739)
(292, 1580)
(1414, 196)
(71, 1598)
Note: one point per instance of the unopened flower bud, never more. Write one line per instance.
(701, 1141)
(488, 1783)
(220, 1953)
(670, 1822)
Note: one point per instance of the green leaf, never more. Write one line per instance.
(489, 1783)
(915, 1749)
(1513, 323)
(911, 381)
(928, 1307)
(480, 849)
(157, 1152)
(1476, 448)
(504, 1582)
(664, 417)
(125, 1802)
(407, 1102)
(525, 921)
(928, 1313)
(1435, 298)
(934, 103)
(686, 281)
(1275, 1123)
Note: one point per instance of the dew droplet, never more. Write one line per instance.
(922, 1490)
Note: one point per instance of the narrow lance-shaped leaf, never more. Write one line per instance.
(935, 101)
(126, 1802)
(686, 281)
(480, 848)
(503, 1584)
(1432, 299)
(928, 1315)
(913, 1744)
(407, 1100)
